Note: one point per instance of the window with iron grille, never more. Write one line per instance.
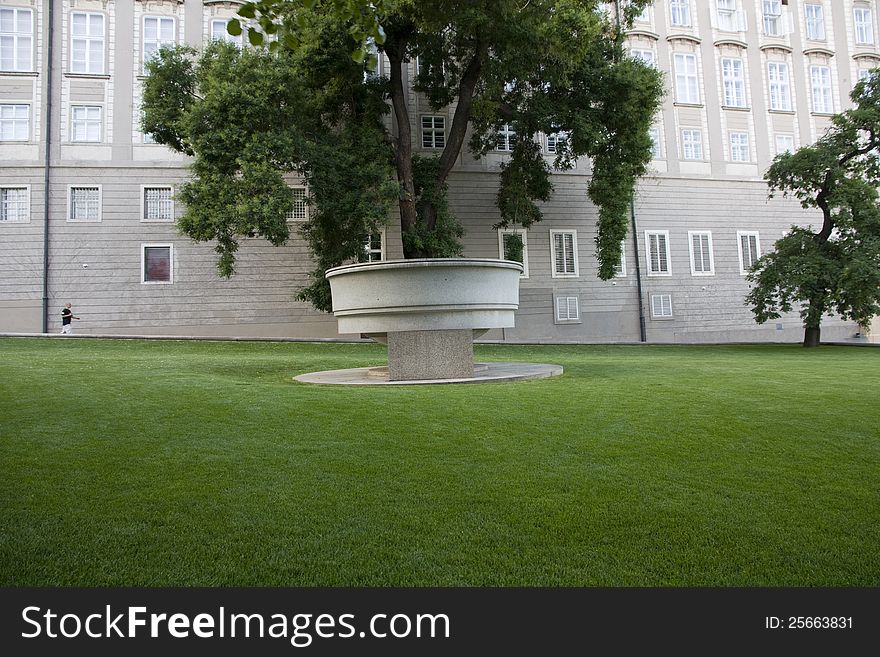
(158, 204)
(84, 204)
(14, 204)
(300, 210)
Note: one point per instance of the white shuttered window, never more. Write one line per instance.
(563, 245)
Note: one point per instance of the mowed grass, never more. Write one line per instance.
(203, 463)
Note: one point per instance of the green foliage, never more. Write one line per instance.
(443, 239)
(837, 268)
(304, 105)
(513, 246)
(524, 179)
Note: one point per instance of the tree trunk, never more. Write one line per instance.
(402, 143)
(811, 336)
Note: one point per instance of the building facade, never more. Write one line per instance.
(87, 202)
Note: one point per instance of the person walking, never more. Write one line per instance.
(66, 317)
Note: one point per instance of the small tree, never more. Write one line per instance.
(310, 104)
(837, 268)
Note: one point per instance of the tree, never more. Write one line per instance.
(837, 268)
(310, 104)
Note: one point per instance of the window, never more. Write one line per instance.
(863, 74)
(691, 144)
(219, 33)
(734, 82)
(85, 123)
(426, 68)
(739, 147)
(15, 204)
(374, 247)
(656, 147)
(620, 269)
(513, 245)
(687, 85)
(16, 39)
(784, 144)
(772, 17)
(728, 18)
(815, 19)
(749, 250)
(158, 32)
(661, 306)
(158, 204)
(84, 204)
(505, 138)
(87, 42)
(433, 131)
(820, 78)
(780, 89)
(567, 309)
(300, 210)
(371, 60)
(864, 25)
(157, 263)
(680, 13)
(555, 141)
(563, 253)
(702, 260)
(644, 55)
(657, 252)
(14, 122)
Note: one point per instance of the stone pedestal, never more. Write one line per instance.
(443, 354)
(426, 310)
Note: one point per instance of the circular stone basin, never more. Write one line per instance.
(428, 294)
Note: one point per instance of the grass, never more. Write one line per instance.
(130, 463)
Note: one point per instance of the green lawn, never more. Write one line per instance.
(202, 463)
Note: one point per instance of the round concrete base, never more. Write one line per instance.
(483, 373)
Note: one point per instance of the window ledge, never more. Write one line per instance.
(736, 108)
(21, 74)
(682, 104)
(87, 76)
(781, 111)
(822, 113)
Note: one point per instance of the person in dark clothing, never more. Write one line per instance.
(66, 317)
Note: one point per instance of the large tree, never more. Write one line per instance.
(310, 105)
(835, 269)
